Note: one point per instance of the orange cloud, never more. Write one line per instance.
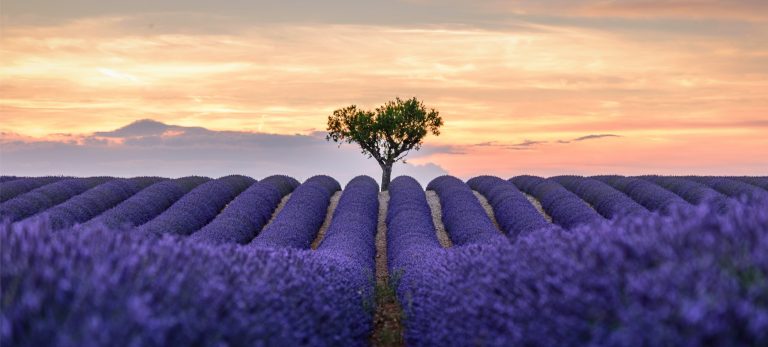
(665, 96)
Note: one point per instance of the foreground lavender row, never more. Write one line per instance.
(625, 261)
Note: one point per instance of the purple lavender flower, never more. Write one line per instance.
(606, 200)
(197, 208)
(514, 213)
(352, 231)
(94, 201)
(4, 179)
(566, 208)
(45, 197)
(146, 204)
(10, 189)
(687, 277)
(300, 219)
(98, 287)
(730, 187)
(411, 236)
(759, 181)
(463, 216)
(694, 192)
(650, 195)
(245, 216)
(691, 278)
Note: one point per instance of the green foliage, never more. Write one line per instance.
(389, 319)
(388, 133)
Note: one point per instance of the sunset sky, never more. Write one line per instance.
(541, 87)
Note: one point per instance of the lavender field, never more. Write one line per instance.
(235, 261)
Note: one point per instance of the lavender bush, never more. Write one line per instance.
(411, 236)
(759, 181)
(650, 195)
(565, 208)
(245, 216)
(12, 188)
(514, 213)
(351, 234)
(730, 187)
(300, 219)
(463, 216)
(94, 201)
(197, 208)
(45, 197)
(689, 279)
(606, 200)
(692, 191)
(412, 250)
(101, 288)
(284, 184)
(4, 179)
(146, 204)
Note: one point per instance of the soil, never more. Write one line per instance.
(279, 208)
(488, 209)
(535, 202)
(328, 216)
(437, 218)
(388, 317)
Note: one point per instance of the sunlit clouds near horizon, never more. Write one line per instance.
(542, 87)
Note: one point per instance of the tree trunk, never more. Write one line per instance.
(386, 174)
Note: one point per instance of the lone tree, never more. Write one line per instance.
(386, 134)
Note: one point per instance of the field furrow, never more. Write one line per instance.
(244, 217)
(333, 202)
(650, 195)
(464, 218)
(146, 204)
(730, 187)
(487, 207)
(433, 200)
(513, 210)
(761, 182)
(12, 188)
(45, 197)
(299, 221)
(93, 202)
(694, 192)
(532, 261)
(604, 199)
(198, 207)
(565, 208)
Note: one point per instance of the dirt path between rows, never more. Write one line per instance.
(328, 216)
(535, 202)
(488, 209)
(388, 318)
(277, 210)
(437, 218)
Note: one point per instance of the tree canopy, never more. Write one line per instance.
(387, 133)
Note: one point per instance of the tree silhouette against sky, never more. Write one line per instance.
(386, 134)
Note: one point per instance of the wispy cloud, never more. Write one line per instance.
(588, 137)
(527, 144)
(524, 145)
